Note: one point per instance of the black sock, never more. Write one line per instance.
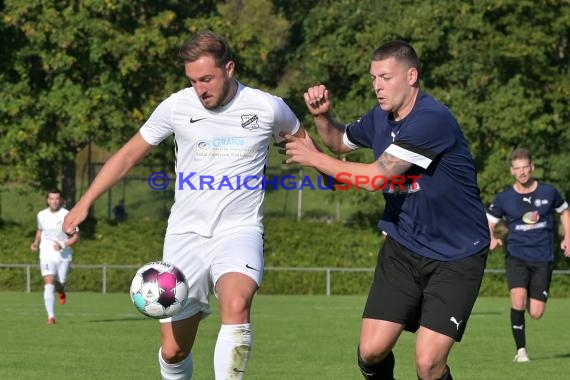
(446, 375)
(383, 370)
(517, 326)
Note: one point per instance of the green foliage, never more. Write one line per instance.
(308, 244)
(94, 70)
(502, 68)
(287, 244)
(258, 50)
(80, 71)
(77, 75)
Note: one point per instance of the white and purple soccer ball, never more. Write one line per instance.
(159, 290)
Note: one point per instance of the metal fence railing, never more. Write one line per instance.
(104, 268)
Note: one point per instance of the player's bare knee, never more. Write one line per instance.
(428, 367)
(536, 314)
(236, 307)
(173, 354)
(370, 353)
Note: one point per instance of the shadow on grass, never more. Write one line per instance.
(558, 356)
(122, 319)
(547, 357)
(487, 313)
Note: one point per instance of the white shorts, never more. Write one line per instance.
(203, 260)
(58, 268)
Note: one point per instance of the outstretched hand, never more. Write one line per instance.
(300, 150)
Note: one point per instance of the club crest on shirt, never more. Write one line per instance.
(403, 189)
(531, 217)
(249, 122)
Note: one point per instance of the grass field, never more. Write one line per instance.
(101, 336)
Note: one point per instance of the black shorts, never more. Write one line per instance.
(531, 275)
(413, 290)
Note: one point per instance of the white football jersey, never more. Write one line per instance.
(221, 156)
(50, 224)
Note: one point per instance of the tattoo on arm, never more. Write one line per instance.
(392, 165)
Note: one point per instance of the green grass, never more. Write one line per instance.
(296, 337)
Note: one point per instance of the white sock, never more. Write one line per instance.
(49, 299)
(176, 371)
(232, 352)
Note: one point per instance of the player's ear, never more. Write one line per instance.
(412, 76)
(230, 67)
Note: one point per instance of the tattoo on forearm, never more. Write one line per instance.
(392, 165)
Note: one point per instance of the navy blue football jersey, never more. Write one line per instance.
(441, 215)
(530, 220)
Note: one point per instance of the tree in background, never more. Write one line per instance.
(82, 71)
(502, 67)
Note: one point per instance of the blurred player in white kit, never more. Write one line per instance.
(55, 251)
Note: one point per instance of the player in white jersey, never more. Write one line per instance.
(55, 251)
(222, 132)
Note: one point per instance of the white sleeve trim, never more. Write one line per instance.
(159, 125)
(350, 145)
(284, 120)
(296, 128)
(493, 219)
(409, 156)
(148, 137)
(562, 207)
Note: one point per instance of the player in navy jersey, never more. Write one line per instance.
(528, 209)
(222, 130)
(431, 264)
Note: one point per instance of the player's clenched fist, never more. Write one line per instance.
(317, 100)
(73, 219)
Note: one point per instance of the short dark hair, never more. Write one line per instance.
(206, 43)
(521, 154)
(53, 191)
(401, 50)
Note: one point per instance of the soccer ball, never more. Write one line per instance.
(159, 290)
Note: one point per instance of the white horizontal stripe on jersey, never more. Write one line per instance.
(493, 219)
(408, 155)
(562, 207)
